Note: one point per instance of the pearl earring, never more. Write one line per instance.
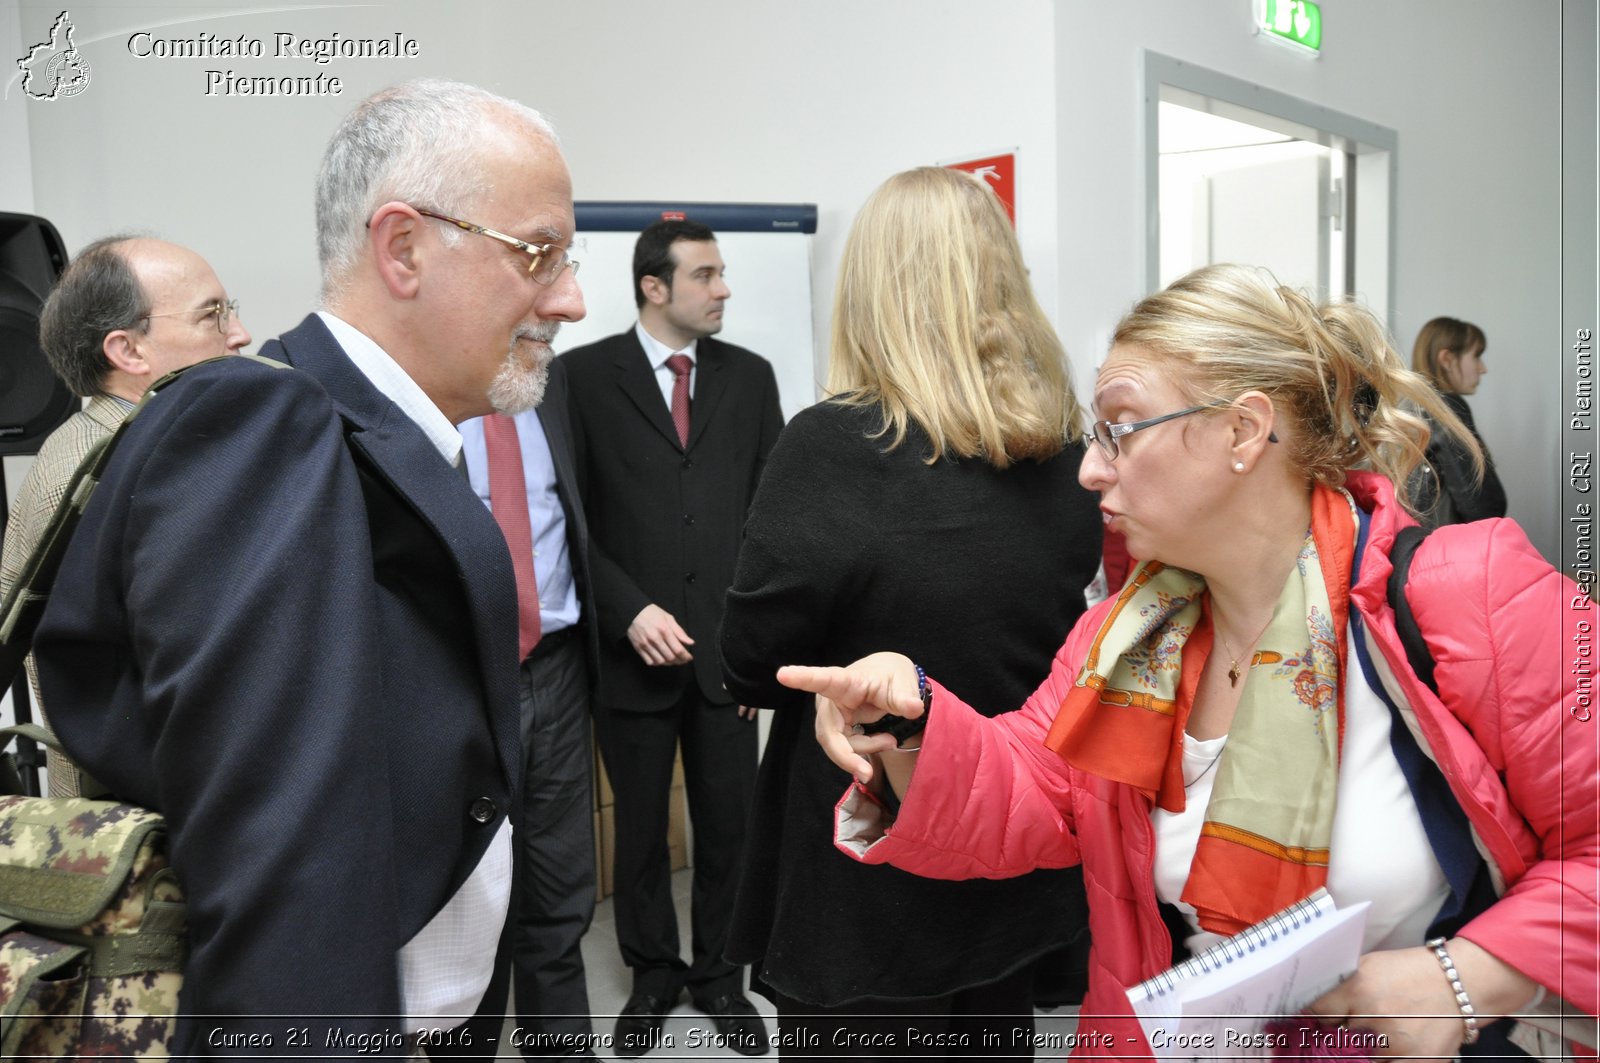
(1238, 466)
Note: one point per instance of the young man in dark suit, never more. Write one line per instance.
(672, 428)
(286, 622)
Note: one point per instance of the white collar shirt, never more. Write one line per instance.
(657, 353)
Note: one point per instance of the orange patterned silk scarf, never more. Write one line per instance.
(1264, 844)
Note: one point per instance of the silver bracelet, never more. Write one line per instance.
(1468, 1016)
(903, 749)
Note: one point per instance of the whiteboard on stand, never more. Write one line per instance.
(767, 249)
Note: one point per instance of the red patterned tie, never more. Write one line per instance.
(680, 364)
(508, 497)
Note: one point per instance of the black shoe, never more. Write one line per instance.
(639, 1025)
(738, 1023)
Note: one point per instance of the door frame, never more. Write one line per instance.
(1372, 162)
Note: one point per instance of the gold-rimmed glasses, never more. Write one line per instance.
(546, 260)
(223, 311)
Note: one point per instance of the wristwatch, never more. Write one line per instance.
(902, 727)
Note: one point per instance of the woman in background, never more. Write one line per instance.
(932, 503)
(1243, 725)
(1449, 353)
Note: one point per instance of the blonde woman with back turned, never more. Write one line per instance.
(932, 504)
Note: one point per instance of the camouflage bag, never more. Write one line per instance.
(92, 928)
(93, 933)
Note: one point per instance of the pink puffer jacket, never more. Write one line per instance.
(988, 800)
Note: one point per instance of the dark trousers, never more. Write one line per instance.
(719, 767)
(994, 1021)
(553, 886)
(555, 849)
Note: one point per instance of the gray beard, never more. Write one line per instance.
(520, 383)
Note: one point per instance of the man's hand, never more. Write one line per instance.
(657, 638)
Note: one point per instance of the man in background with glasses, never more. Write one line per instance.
(125, 313)
(314, 675)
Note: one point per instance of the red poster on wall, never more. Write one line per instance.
(1000, 172)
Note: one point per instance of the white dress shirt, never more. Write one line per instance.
(658, 353)
(446, 967)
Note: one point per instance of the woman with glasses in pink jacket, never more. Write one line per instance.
(1243, 726)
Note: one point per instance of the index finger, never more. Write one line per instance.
(813, 679)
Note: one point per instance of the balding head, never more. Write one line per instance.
(424, 143)
(469, 318)
(130, 309)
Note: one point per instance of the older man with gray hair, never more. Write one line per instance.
(126, 312)
(288, 623)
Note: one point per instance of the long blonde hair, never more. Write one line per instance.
(1331, 369)
(934, 322)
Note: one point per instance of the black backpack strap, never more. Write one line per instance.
(1405, 621)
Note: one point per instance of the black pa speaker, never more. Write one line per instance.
(33, 401)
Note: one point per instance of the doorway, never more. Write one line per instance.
(1239, 173)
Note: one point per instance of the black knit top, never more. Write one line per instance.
(975, 573)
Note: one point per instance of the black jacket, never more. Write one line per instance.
(975, 573)
(665, 520)
(1446, 489)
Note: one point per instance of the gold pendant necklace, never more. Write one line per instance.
(1234, 671)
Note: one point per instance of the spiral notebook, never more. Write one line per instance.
(1217, 1002)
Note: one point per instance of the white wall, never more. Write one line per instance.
(1472, 87)
(758, 100)
(719, 100)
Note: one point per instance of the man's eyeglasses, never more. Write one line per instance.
(1106, 433)
(546, 262)
(224, 312)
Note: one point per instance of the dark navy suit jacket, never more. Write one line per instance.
(287, 624)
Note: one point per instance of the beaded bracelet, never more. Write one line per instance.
(1468, 1015)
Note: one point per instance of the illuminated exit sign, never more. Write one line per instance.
(1296, 22)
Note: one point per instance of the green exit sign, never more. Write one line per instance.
(1298, 22)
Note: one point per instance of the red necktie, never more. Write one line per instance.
(680, 364)
(508, 497)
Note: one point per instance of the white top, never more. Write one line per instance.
(658, 353)
(1379, 851)
(445, 968)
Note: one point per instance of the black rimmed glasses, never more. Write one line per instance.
(1106, 433)
(223, 311)
(546, 260)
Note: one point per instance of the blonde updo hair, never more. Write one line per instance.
(1348, 399)
(934, 321)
